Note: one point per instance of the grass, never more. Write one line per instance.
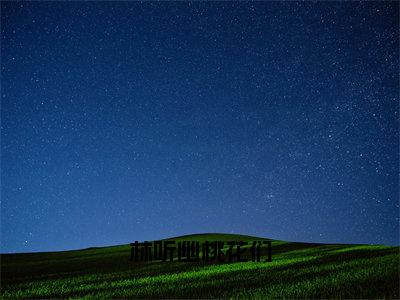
(298, 270)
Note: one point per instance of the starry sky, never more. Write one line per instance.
(125, 121)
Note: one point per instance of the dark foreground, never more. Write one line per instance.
(298, 270)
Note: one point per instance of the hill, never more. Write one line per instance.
(297, 270)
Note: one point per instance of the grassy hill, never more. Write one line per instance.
(298, 270)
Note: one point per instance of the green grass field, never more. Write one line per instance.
(298, 270)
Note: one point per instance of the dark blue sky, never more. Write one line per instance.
(125, 121)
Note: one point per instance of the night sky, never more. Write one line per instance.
(124, 121)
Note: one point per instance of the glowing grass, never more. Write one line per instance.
(298, 270)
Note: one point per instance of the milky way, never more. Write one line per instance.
(125, 121)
